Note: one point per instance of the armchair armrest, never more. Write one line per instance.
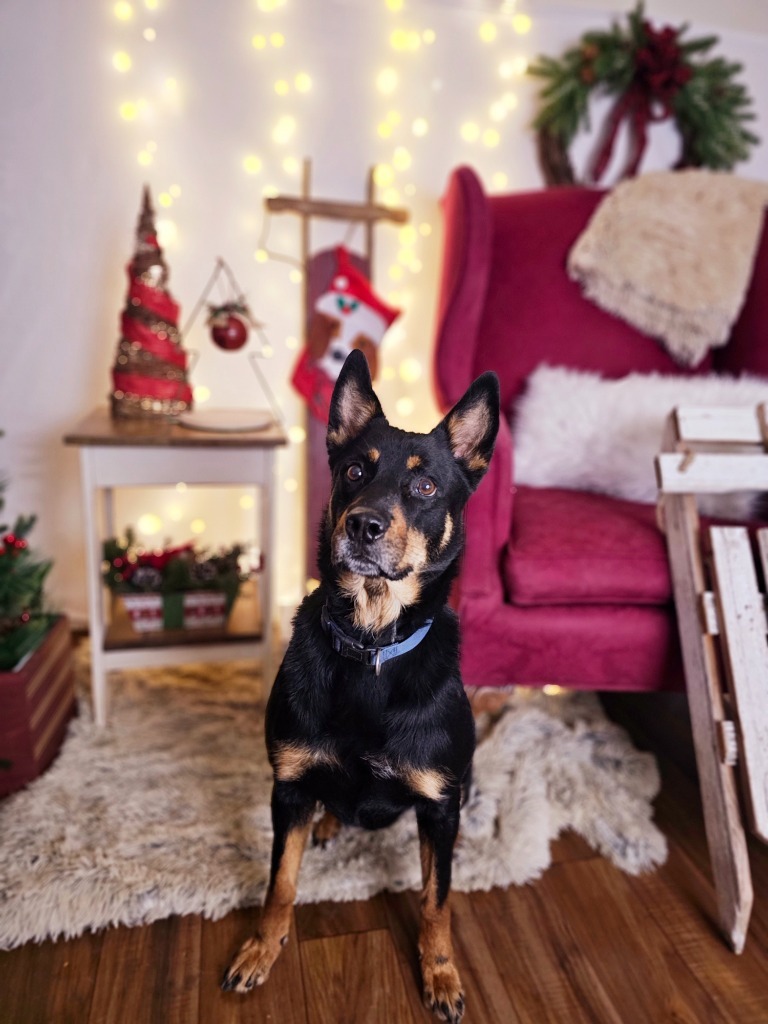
(488, 520)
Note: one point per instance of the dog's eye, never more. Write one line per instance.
(426, 487)
(355, 472)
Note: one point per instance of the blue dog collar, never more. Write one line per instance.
(373, 657)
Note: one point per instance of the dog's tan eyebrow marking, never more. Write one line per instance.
(374, 454)
(292, 760)
(413, 461)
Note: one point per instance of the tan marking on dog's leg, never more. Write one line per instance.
(442, 986)
(292, 760)
(426, 782)
(413, 461)
(253, 962)
(326, 830)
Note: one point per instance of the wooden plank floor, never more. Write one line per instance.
(586, 944)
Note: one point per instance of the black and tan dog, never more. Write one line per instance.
(368, 715)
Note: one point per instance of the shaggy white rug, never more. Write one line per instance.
(167, 810)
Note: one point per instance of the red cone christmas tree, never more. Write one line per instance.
(150, 372)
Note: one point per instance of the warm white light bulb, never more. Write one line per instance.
(387, 80)
(121, 61)
(284, 130)
(251, 164)
(401, 159)
(410, 370)
(383, 175)
(149, 524)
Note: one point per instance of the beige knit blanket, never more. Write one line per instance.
(672, 254)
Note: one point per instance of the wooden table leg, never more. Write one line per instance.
(96, 623)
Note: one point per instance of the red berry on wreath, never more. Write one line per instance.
(229, 325)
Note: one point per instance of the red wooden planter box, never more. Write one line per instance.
(36, 702)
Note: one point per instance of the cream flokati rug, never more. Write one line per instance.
(167, 810)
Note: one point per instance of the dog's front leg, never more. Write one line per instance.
(291, 820)
(438, 827)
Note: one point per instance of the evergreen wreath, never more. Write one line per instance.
(655, 74)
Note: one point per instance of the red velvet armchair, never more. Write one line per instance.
(557, 586)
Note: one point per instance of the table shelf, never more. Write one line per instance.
(243, 624)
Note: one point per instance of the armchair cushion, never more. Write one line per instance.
(572, 547)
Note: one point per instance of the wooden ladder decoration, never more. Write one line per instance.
(366, 214)
(306, 208)
(721, 614)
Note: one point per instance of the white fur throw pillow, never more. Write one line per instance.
(578, 430)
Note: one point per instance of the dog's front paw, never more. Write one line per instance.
(251, 966)
(442, 990)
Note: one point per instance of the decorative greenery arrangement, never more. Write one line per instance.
(22, 574)
(173, 570)
(655, 74)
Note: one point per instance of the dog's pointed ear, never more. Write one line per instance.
(472, 425)
(353, 403)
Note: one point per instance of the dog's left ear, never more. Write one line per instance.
(472, 425)
(353, 403)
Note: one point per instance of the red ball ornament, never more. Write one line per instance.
(229, 326)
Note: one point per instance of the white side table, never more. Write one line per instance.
(147, 453)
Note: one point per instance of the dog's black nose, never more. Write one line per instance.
(366, 526)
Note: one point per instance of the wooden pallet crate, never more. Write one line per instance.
(37, 700)
(721, 615)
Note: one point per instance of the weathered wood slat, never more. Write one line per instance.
(707, 473)
(722, 815)
(742, 613)
(718, 424)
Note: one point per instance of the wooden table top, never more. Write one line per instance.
(100, 429)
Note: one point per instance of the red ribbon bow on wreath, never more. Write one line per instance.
(660, 72)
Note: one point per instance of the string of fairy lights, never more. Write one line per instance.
(407, 122)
